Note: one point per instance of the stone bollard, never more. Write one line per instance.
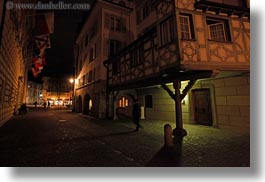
(168, 135)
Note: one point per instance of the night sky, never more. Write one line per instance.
(60, 57)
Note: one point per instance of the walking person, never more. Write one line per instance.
(49, 104)
(136, 113)
(35, 103)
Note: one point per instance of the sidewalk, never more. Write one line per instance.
(204, 146)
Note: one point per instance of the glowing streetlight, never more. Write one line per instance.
(71, 80)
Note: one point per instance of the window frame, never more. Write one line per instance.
(137, 56)
(225, 29)
(117, 47)
(116, 24)
(148, 101)
(190, 25)
(167, 31)
(93, 53)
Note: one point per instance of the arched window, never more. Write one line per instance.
(123, 102)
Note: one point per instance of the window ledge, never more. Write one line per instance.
(226, 42)
(188, 39)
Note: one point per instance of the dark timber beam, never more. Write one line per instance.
(187, 88)
(170, 93)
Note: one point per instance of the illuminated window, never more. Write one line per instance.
(123, 102)
(90, 104)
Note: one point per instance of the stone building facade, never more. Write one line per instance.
(108, 24)
(15, 56)
(57, 90)
(203, 45)
(34, 93)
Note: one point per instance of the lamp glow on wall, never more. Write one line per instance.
(185, 100)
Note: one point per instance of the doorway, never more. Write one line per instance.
(202, 107)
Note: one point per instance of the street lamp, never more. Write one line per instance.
(71, 80)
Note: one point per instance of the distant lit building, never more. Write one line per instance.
(187, 61)
(34, 93)
(57, 91)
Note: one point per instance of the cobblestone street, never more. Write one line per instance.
(60, 138)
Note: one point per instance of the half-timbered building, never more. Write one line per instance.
(186, 61)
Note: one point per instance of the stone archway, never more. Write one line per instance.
(87, 105)
(78, 104)
(128, 97)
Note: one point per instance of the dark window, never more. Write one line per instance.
(116, 24)
(167, 33)
(137, 56)
(116, 66)
(218, 30)
(93, 53)
(93, 31)
(94, 74)
(114, 47)
(146, 9)
(186, 26)
(112, 23)
(85, 57)
(87, 78)
(80, 65)
(90, 76)
(148, 101)
(81, 47)
(86, 40)
(138, 16)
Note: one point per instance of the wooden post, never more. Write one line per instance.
(178, 132)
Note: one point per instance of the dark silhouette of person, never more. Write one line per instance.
(44, 104)
(136, 113)
(49, 104)
(35, 103)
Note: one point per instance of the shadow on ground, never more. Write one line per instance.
(167, 157)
